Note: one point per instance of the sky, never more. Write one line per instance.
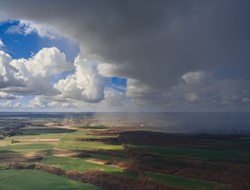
(115, 55)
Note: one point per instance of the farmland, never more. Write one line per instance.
(73, 153)
(33, 179)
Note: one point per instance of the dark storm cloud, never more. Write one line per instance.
(163, 39)
(153, 42)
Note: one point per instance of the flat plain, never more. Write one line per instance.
(89, 154)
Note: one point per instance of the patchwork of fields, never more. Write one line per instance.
(71, 158)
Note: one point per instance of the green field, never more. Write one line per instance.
(23, 147)
(27, 147)
(39, 180)
(67, 142)
(47, 144)
(78, 164)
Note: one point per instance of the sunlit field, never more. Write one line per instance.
(130, 156)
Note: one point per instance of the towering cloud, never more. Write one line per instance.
(85, 84)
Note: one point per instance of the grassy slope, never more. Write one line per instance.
(32, 179)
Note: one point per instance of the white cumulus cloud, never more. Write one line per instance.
(9, 75)
(85, 84)
(34, 74)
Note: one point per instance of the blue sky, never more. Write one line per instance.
(24, 45)
(20, 45)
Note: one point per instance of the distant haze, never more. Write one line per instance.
(175, 122)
